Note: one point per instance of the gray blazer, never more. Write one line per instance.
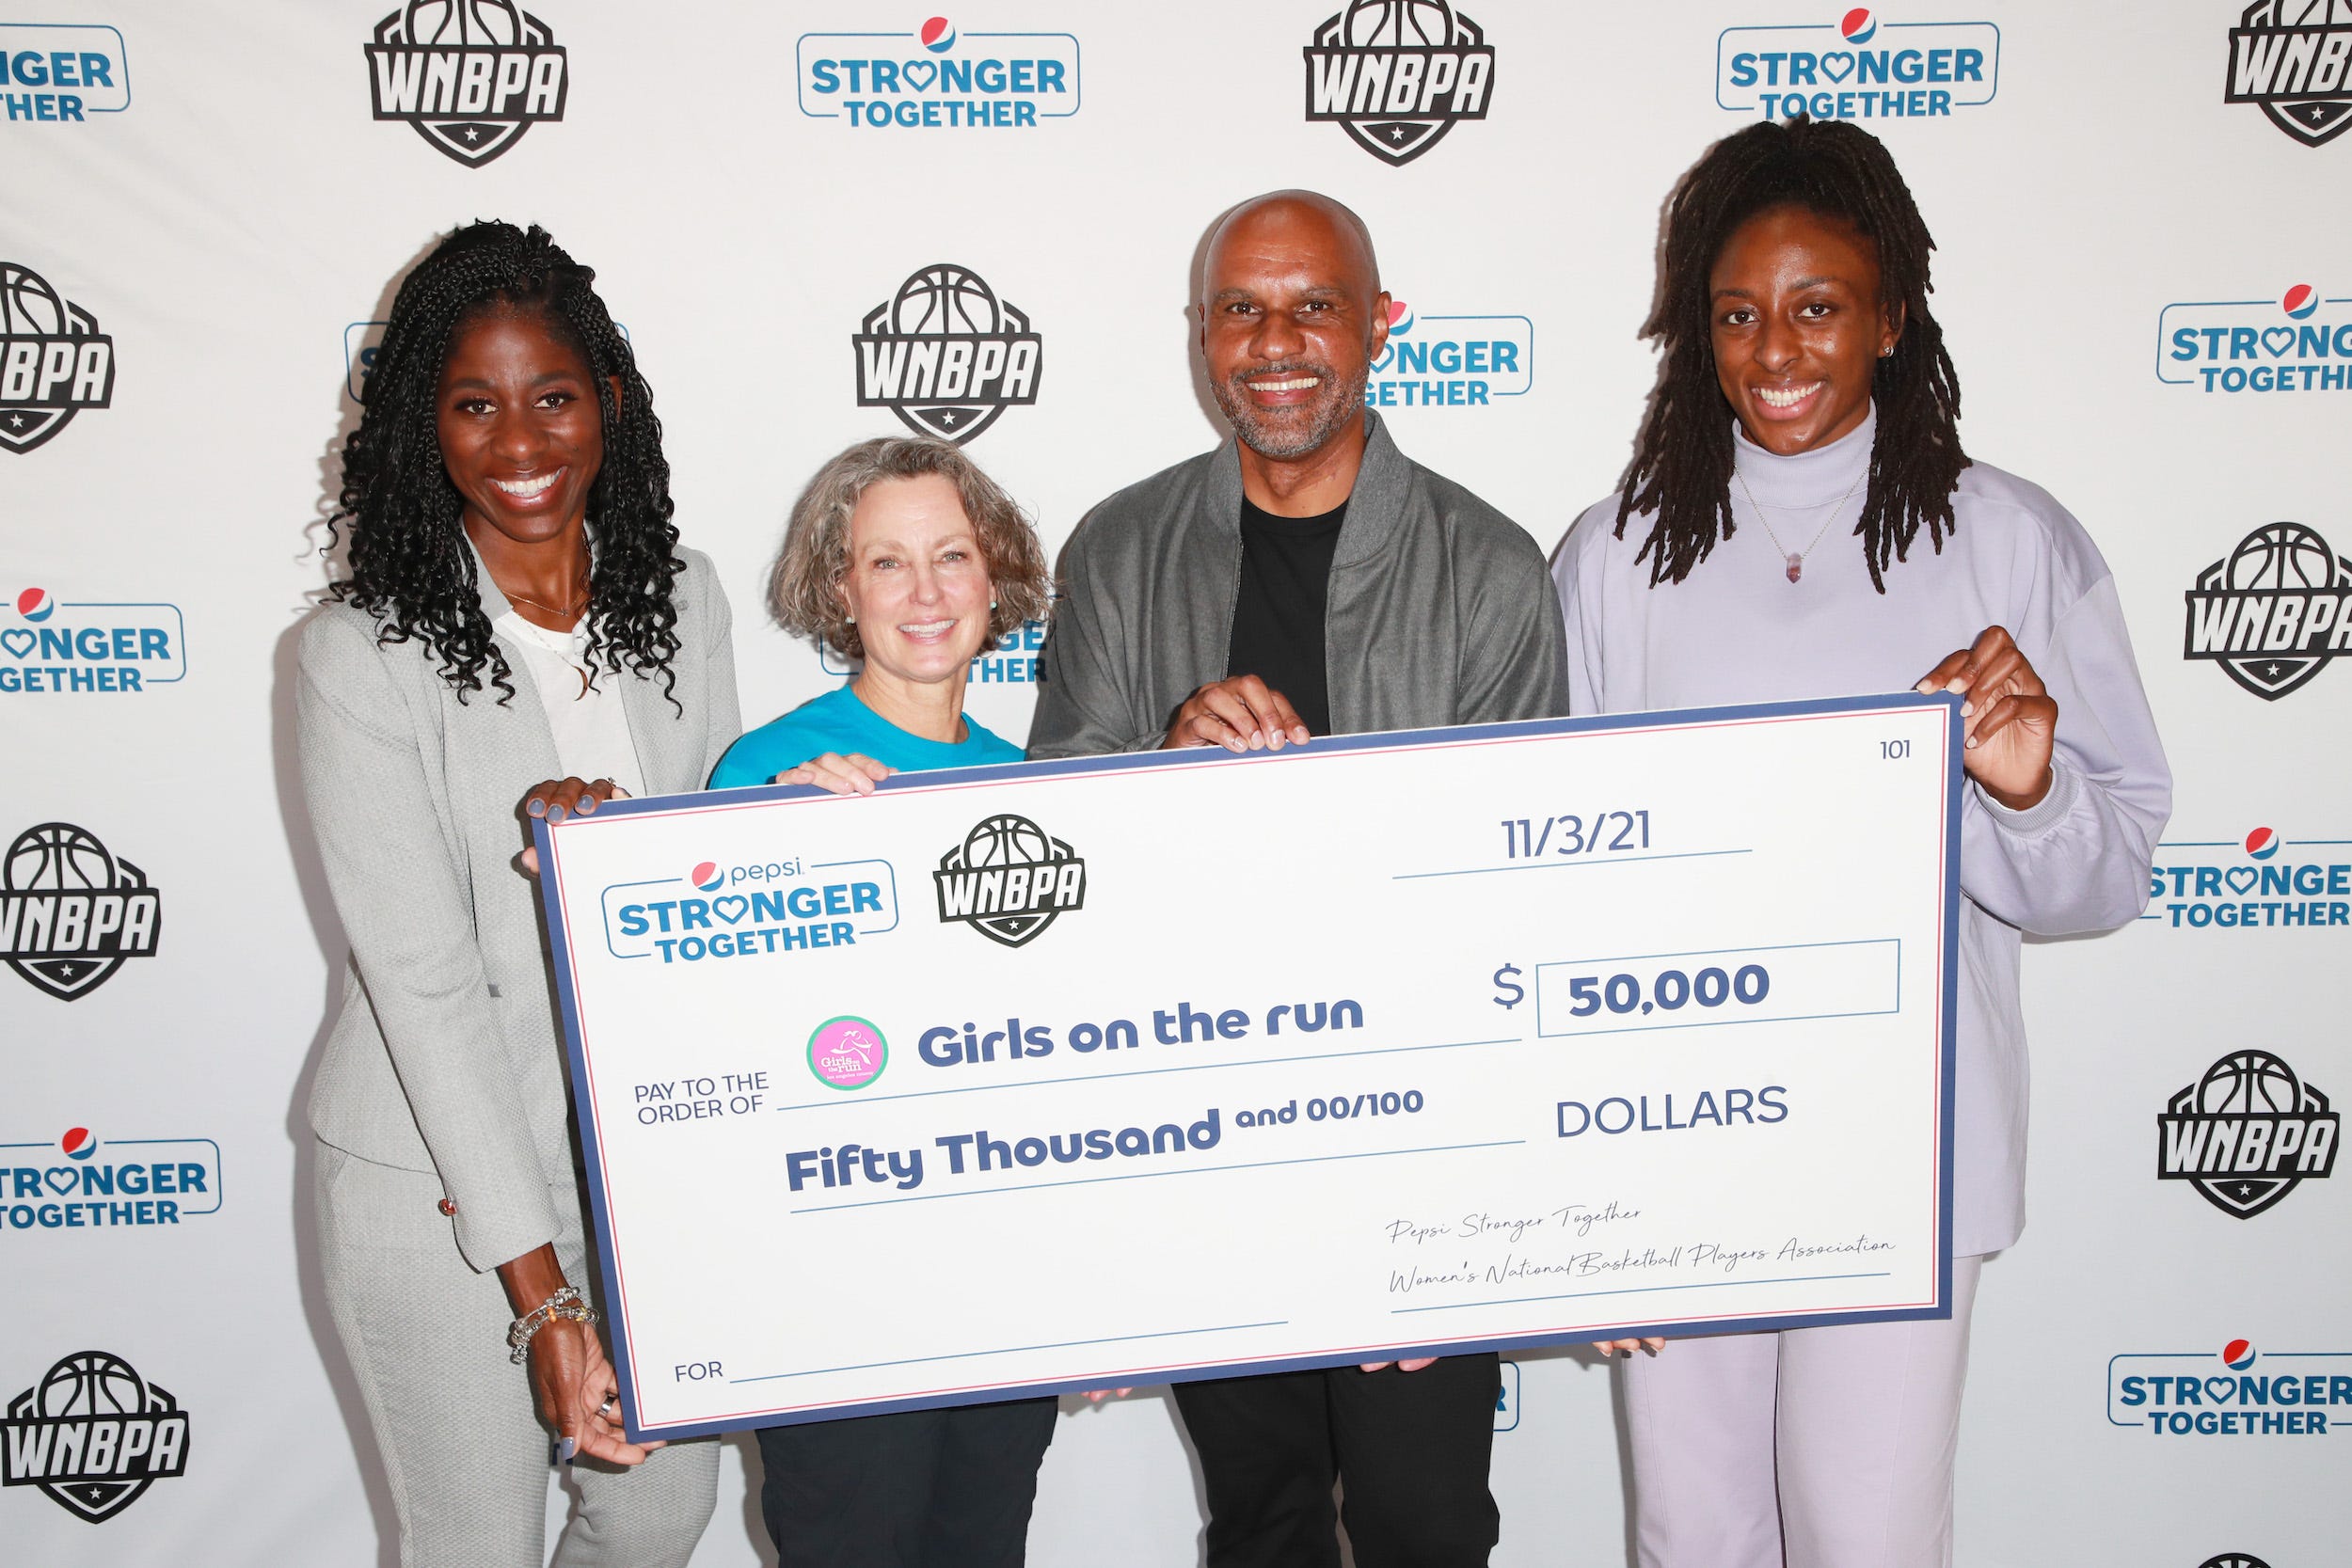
(445, 1055)
(1440, 611)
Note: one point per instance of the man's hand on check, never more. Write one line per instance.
(1240, 713)
(1611, 1347)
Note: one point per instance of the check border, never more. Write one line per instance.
(615, 1293)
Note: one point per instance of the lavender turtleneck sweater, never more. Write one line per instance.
(1738, 631)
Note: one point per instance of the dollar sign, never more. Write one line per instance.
(1503, 982)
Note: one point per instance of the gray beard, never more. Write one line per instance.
(1284, 435)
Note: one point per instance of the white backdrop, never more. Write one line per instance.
(219, 201)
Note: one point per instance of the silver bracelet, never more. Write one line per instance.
(565, 1303)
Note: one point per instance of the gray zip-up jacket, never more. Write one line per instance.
(1440, 608)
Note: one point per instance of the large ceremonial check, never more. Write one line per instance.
(1073, 1076)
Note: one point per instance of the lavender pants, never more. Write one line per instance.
(1816, 1448)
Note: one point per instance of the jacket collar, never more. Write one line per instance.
(1375, 507)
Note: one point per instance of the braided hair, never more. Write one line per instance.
(410, 562)
(1682, 460)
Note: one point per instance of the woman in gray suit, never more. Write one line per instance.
(517, 611)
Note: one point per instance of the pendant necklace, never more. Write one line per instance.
(1796, 558)
(571, 612)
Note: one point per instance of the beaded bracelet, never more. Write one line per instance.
(565, 1303)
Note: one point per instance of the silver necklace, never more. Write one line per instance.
(1796, 558)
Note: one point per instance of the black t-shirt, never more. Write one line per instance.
(1278, 618)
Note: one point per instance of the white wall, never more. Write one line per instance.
(230, 223)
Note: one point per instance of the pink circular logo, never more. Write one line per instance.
(848, 1053)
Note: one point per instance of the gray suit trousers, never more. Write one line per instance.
(460, 1437)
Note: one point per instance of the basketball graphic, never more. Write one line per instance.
(1398, 74)
(1006, 841)
(58, 855)
(2234, 1560)
(947, 355)
(943, 298)
(1009, 879)
(2248, 1080)
(1409, 24)
(73, 913)
(509, 73)
(462, 22)
(29, 308)
(93, 1481)
(2282, 555)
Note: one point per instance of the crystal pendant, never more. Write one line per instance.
(1796, 567)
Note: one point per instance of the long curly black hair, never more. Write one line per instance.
(1681, 468)
(409, 560)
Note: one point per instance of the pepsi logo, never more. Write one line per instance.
(707, 877)
(2263, 843)
(1858, 25)
(2238, 1355)
(78, 1144)
(2300, 301)
(939, 35)
(1399, 316)
(35, 604)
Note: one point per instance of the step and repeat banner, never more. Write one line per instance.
(2145, 274)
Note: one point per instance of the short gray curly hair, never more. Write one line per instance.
(804, 586)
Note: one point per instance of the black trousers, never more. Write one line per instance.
(1410, 1448)
(914, 1489)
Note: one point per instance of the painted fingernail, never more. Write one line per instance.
(587, 804)
(537, 808)
(568, 1449)
(555, 813)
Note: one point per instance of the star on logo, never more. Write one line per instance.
(1396, 133)
(16, 422)
(2271, 669)
(473, 132)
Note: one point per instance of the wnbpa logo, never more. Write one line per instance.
(470, 76)
(92, 1435)
(2274, 611)
(1398, 74)
(2293, 58)
(70, 913)
(53, 361)
(2246, 1134)
(1008, 880)
(946, 356)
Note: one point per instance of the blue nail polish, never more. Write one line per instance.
(537, 808)
(568, 1449)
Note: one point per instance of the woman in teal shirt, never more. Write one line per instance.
(902, 553)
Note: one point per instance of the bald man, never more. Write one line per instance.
(1307, 579)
